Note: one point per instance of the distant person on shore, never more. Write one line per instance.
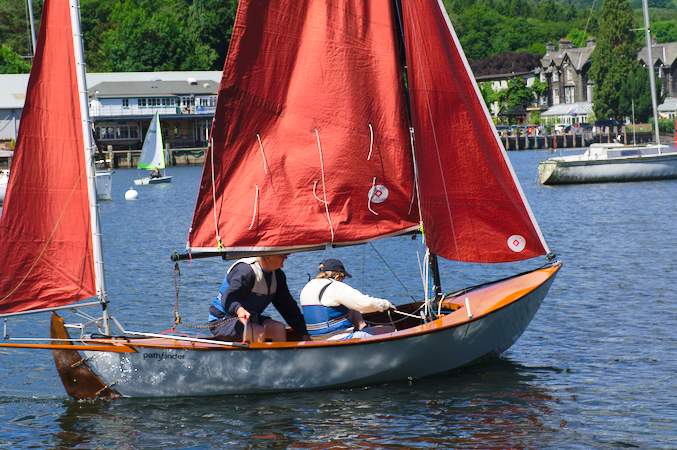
(332, 309)
(250, 285)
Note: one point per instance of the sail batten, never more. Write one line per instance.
(46, 249)
(315, 88)
(473, 207)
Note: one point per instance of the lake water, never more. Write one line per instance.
(596, 367)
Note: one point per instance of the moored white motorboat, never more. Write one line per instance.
(4, 177)
(104, 185)
(615, 162)
(602, 163)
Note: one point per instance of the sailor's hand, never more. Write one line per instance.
(243, 315)
(386, 305)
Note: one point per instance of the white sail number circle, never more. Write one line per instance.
(516, 243)
(378, 193)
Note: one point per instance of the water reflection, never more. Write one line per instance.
(497, 404)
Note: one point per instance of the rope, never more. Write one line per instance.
(406, 314)
(256, 203)
(373, 185)
(324, 187)
(315, 193)
(393, 322)
(263, 155)
(371, 142)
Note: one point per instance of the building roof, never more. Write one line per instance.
(578, 56)
(155, 88)
(669, 105)
(666, 53)
(13, 90)
(569, 109)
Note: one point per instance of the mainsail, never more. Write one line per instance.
(310, 139)
(472, 205)
(152, 153)
(46, 257)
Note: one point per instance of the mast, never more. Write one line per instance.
(78, 51)
(32, 22)
(432, 259)
(652, 81)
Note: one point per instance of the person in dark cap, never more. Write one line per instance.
(332, 309)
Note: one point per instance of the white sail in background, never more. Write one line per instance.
(152, 152)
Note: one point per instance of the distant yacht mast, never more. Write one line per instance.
(652, 82)
(32, 22)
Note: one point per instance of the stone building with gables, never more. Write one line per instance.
(571, 91)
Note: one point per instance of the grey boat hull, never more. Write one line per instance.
(655, 167)
(434, 348)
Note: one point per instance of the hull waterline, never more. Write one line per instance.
(660, 167)
(501, 312)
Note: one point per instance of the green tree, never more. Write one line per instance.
(635, 88)
(213, 20)
(488, 93)
(10, 62)
(613, 59)
(664, 31)
(152, 35)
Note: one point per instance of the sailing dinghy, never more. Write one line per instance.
(316, 143)
(153, 155)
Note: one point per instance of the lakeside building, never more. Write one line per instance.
(571, 91)
(122, 104)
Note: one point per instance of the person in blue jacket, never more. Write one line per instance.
(250, 285)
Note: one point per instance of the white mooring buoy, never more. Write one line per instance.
(131, 194)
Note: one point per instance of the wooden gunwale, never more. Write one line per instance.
(480, 299)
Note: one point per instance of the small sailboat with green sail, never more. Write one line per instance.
(153, 155)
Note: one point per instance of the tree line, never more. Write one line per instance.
(154, 35)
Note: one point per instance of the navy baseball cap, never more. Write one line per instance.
(333, 265)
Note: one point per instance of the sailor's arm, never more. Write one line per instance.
(287, 306)
(342, 294)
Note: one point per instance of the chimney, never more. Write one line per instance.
(565, 44)
(549, 47)
(591, 42)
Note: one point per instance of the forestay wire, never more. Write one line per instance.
(391, 270)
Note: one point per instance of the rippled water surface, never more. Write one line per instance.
(596, 367)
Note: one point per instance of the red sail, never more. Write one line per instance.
(472, 205)
(310, 120)
(45, 242)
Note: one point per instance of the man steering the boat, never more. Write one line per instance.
(250, 285)
(333, 310)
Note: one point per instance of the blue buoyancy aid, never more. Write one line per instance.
(325, 320)
(256, 301)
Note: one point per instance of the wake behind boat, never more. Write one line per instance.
(153, 155)
(289, 169)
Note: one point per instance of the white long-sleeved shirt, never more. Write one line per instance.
(339, 294)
